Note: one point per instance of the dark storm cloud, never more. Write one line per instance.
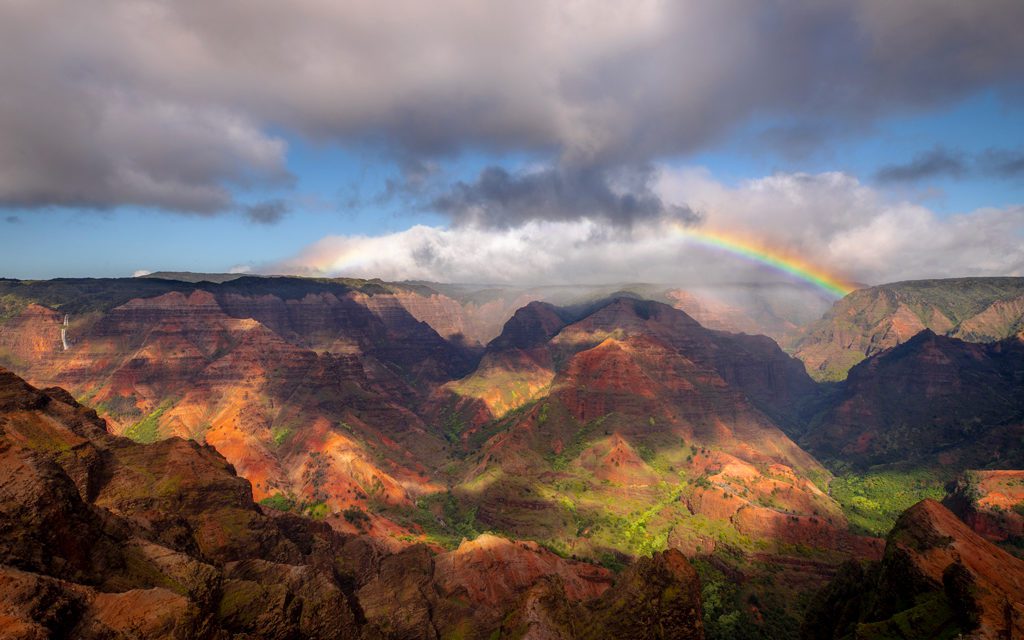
(931, 164)
(943, 163)
(270, 212)
(171, 104)
(1005, 163)
(502, 199)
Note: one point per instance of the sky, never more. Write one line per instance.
(534, 142)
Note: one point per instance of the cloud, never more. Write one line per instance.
(538, 251)
(178, 105)
(938, 162)
(12, 219)
(864, 238)
(141, 273)
(1005, 163)
(240, 268)
(270, 212)
(502, 199)
(84, 146)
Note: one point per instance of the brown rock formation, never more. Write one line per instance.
(102, 537)
(991, 503)
(656, 599)
(936, 579)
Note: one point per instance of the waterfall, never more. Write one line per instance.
(64, 333)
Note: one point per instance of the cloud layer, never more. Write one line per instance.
(831, 220)
(173, 104)
(945, 163)
(501, 199)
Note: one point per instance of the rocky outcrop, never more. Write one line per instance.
(103, 537)
(529, 327)
(515, 369)
(991, 502)
(936, 579)
(468, 571)
(31, 335)
(656, 599)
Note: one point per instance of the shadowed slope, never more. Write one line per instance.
(937, 579)
(930, 400)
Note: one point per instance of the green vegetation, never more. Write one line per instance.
(645, 452)
(279, 502)
(580, 441)
(442, 517)
(728, 608)
(11, 305)
(280, 435)
(873, 500)
(118, 407)
(317, 510)
(513, 387)
(147, 430)
(932, 618)
(355, 516)
(452, 425)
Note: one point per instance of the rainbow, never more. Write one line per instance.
(761, 254)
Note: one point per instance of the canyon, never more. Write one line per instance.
(455, 461)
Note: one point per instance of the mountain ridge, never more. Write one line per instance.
(870, 320)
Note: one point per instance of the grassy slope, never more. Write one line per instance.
(873, 499)
(958, 299)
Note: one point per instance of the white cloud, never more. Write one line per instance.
(141, 273)
(830, 220)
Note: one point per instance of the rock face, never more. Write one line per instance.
(991, 502)
(516, 369)
(102, 537)
(310, 390)
(105, 538)
(871, 320)
(931, 399)
(656, 599)
(937, 579)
